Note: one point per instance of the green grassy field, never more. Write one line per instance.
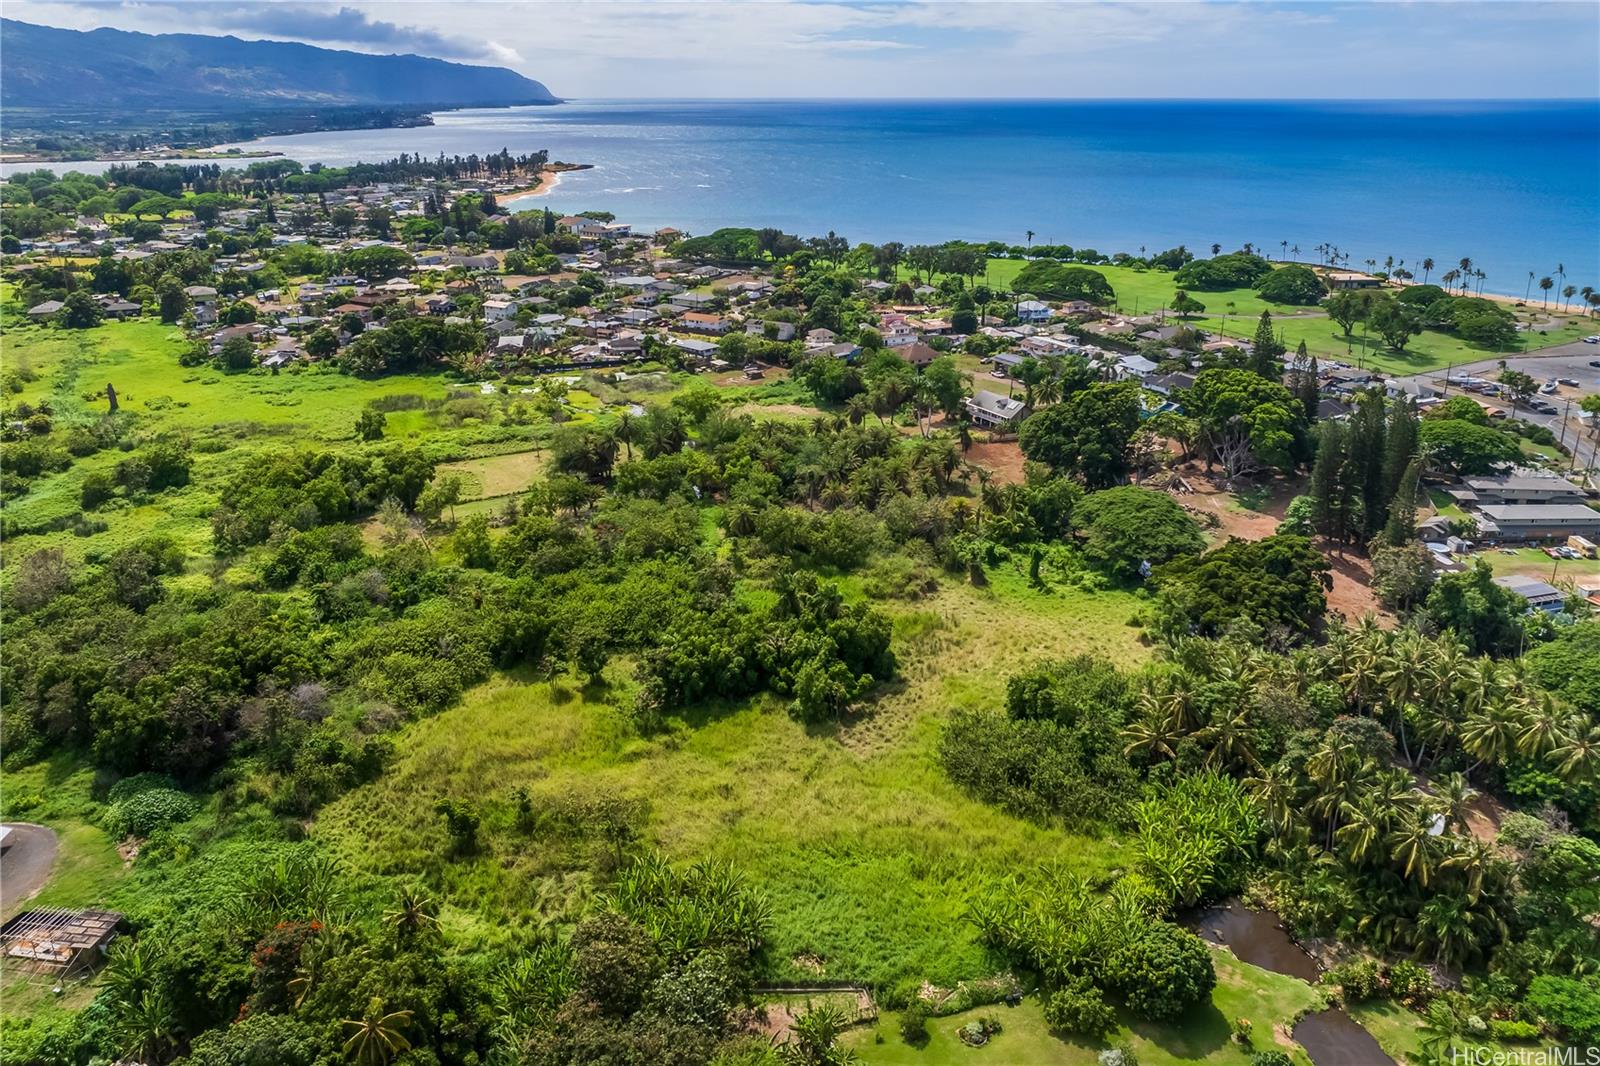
(1270, 1001)
(866, 851)
(1144, 291)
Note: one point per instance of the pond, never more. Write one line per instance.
(1330, 1037)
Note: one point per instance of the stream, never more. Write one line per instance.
(1330, 1037)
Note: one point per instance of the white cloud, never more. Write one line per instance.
(640, 48)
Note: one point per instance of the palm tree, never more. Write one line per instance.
(1543, 727)
(1030, 238)
(376, 1037)
(1561, 272)
(1466, 269)
(1489, 734)
(1228, 738)
(413, 915)
(1566, 294)
(1449, 278)
(1547, 283)
(1528, 293)
(1586, 292)
(1276, 795)
(1366, 824)
(1472, 859)
(1456, 798)
(1578, 759)
(1155, 737)
(1447, 923)
(1415, 847)
(1427, 268)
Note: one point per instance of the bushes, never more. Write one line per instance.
(1056, 753)
(143, 812)
(1569, 1004)
(1162, 973)
(914, 1024)
(1079, 1007)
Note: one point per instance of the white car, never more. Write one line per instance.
(1592, 340)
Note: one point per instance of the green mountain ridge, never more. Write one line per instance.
(55, 69)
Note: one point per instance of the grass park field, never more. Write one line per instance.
(1234, 312)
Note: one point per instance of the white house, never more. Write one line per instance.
(1033, 311)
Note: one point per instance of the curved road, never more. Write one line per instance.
(27, 855)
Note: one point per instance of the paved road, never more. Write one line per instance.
(26, 857)
(1562, 361)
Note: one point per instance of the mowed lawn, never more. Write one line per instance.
(868, 854)
(1268, 1000)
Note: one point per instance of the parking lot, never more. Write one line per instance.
(1570, 361)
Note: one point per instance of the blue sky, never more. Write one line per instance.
(935, 48)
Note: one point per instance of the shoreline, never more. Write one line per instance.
(549, 177)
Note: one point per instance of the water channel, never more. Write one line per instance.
(1331, 1037)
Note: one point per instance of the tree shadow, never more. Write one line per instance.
(1197, 1035)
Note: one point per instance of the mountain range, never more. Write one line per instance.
(63, 70)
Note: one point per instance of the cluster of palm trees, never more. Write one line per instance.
(1564, 291)
(1372, 848)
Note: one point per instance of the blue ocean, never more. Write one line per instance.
(1515, 186)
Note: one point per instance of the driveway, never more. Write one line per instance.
(27, 855)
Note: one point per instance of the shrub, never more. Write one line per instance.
(1410, 981)
(914, 1024)
(1510, 1029)
(144, 812)
(1163, 973)
(1079, 1007)
(1360, 981)
(1271, 1058)
(1571, 1005)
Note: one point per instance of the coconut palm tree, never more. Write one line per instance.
(1566, 294)
(1542, 728)
(1446, 922)
(1466, 269)
(1276, 794)
(1528, 293)
(1472, 859)
(1561, 272)
(1547, 283)
(1427, 268)
(376, 1037)
(1578, 758)
(1228, 740)
(1030, 238)
(1415, 847)
(1455, 797)
(1489, 734)
(1366, 826)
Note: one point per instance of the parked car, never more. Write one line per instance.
(1592, 339)
(1570, 383)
